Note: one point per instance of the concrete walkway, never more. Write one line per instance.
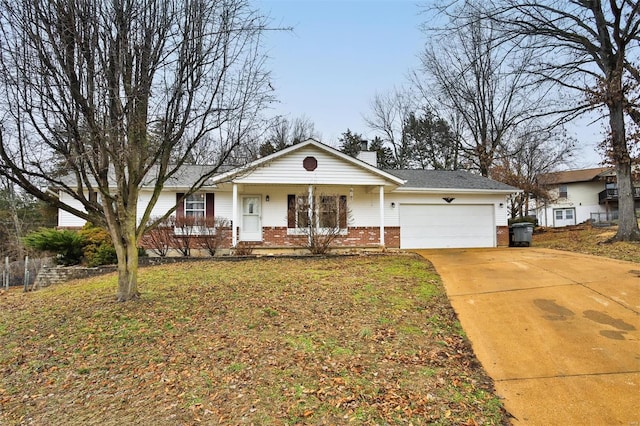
(558, 332)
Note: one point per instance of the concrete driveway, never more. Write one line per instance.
(558, 332)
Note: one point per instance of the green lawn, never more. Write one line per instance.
(343, 340)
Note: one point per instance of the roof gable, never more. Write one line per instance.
(310, 162)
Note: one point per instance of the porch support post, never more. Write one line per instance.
(234, 216)
(381, 215)
(311, 214)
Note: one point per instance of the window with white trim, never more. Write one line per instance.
(562, 191)
(328, 211)
(302, 211)
(194, 206)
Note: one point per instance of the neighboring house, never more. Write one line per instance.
(576, 196)
(268, 201)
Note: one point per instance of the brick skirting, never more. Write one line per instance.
(359, 236)
(502, 234)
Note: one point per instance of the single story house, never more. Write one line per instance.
(269, 201)
(576, 196)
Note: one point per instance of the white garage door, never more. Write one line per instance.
(446, 226)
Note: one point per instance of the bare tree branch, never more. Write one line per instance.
(109, 97)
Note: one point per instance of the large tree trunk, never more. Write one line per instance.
(627, 223)
(127, 252)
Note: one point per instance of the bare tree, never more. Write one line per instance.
(283, 132)
(533, 152)
(586, 47)
(481, 80)
(105, 97)
(389, 113)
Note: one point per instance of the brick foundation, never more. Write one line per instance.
(276, 237)
(502, 236)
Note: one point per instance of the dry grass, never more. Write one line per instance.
(588, 240)
(355, 340)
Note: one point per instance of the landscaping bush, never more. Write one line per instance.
(67, 245)
(524, 219)
(161, 238)
(213, 233)
(98, 249)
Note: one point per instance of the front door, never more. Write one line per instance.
(251, 229)
(564, 217)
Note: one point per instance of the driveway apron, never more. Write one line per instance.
(558, 332)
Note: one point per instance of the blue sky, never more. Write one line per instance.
(341, 53)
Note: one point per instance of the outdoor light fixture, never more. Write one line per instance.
(501, 205)
(351, 193)
(393, 205)
(266, 198)
(448, 199)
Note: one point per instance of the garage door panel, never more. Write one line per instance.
(446, 226)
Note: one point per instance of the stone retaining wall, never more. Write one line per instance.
(59, 274)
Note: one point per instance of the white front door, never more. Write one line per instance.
(251, 225)
(564, 217)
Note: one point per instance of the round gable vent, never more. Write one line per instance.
(310, 164)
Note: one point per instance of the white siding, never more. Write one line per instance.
(166, 201)
(581, 196)
(66, 219)
(392, 215)
(331, 170)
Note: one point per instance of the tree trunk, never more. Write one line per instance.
(127, 252)
(627, 223)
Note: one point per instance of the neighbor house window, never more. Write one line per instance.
(327, 211)
(562, 189)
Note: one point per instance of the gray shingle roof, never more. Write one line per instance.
(448, 179)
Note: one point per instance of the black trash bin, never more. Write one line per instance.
(520, 234)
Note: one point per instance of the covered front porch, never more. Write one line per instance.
(280, 216)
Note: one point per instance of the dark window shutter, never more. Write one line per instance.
(291, 211)
(179, 205)
(93, 196)
(209, 208)
(342, 212)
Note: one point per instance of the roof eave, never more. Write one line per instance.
(459, 190)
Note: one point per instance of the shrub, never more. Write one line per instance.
(67, 245)
(243, 248)
(213, 232)
(98, 249)
(524, 219)
(161, 238)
